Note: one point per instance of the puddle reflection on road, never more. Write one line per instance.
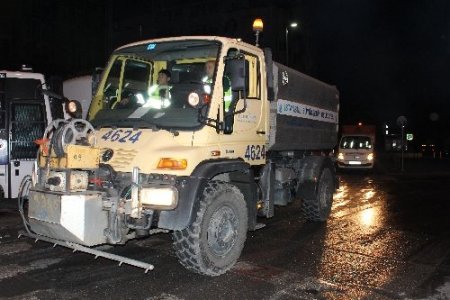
(358, 237)
(370, 217)
(368, 194)
(361, 199)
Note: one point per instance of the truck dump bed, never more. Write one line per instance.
(304, 114)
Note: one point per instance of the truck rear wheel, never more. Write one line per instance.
(212, 244)
(319, 207)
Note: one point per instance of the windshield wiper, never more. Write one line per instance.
(133, 123)
(146, 126)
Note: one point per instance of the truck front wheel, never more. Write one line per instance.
(318, 208)
(212, 244)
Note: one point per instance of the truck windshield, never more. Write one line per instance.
(356, 142)
(155, 85)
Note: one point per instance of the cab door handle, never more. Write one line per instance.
(260, 132)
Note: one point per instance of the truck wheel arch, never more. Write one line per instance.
(239, 173)
(213, 242)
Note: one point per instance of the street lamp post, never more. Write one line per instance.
(292, 25)
(401, 121)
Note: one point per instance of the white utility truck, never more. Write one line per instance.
(205, 165)
(356, 147)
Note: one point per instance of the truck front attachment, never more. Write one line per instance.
(77, 247)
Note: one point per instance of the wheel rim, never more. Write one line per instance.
(222, 231)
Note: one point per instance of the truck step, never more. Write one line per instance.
(77, 247)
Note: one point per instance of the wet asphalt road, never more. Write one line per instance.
(388, 237)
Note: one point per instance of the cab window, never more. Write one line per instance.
(254, 82)
(112, 83)
(136, 77)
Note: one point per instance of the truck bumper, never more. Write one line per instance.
(75, 217)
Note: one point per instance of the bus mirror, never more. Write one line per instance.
(55, 84)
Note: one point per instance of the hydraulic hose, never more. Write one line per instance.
(23, 193)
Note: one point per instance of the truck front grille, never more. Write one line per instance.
(122, 158)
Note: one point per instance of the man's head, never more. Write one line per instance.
(163, 77)
(209, 68)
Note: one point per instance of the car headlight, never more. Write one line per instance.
(370, 156)
(341, 156)
(164, 198)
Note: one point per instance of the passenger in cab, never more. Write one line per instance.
(210, 66)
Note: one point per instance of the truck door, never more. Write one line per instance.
(248, 137)
(27, 121)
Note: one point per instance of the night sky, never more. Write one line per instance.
(387, 58)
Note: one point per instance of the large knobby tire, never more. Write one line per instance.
(212, 244)
(318, 209)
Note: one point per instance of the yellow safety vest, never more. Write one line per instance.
(159, 97)
(227, 94)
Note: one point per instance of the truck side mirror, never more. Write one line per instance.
(237, 71)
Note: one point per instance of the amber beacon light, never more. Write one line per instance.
(258, 27)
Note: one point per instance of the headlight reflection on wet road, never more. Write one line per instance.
(356, 235)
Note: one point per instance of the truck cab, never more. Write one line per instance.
(195, 109)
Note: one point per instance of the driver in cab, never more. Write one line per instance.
(159, 94)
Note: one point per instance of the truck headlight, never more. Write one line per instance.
(193, 99)
(370, 156)
(164, 198)
(341, 156)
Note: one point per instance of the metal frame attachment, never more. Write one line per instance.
(77, 247)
